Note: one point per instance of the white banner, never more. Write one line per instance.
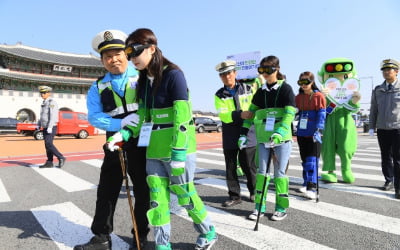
(246, 64)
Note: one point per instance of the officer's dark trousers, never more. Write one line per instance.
(247, 163)
(389, 143)
(51, 150)
(110, 185)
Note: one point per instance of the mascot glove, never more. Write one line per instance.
(130, 120)
(242, 142)
(49, 130)
(276, 139)
(117, 137)
(371, 132)
(325, 91)
(355, 97)
(177, 167)
(317, 137)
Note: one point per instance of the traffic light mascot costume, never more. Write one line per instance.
(338, 75)
(273, 106)
(167, 123)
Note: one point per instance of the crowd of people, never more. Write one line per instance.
(147, 113)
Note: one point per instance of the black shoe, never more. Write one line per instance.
(96, 243)
(48, 164)
(397, 194)
(142, 242)
(231, 203)
(388, 186)
(61, 162)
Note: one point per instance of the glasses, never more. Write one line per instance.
(266, 69)
(226, 73)
(134, 50)
(304, 82)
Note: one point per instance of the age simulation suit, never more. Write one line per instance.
(110, 99)
(340, 134)
(229, 105)
(311, 123)
(172, 138)
(273, 103)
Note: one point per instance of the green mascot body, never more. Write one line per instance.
(340, 134)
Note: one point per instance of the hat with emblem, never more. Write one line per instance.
(109, 39)
(44, 88)
(225, 66)
(389, 63)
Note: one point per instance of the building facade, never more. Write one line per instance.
(24, 68)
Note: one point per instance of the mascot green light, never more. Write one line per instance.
(341, 87)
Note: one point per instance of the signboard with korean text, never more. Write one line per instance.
(341, 92)
(246, 64)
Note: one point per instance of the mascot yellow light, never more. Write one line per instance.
(338, 76)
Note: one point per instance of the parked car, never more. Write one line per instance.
(294, 125)
(204, 124)
(8, 125)
(69, 123)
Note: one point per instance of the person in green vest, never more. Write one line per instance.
(273, 108)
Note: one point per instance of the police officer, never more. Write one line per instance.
(232, 102)
(48, 121)
(385, 117)
(112, 105)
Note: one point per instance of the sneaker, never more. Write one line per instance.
(311, 194)
(254, 214)
(61, 162)
(96, 243)
(48, 164)
(388, 186)
(206, 241)
(303, 189)
(231, 203)
(278, 216)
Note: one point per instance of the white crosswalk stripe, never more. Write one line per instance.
(68, 223)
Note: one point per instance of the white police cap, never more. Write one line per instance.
(109, 39)
(44, 88)
(389, 63)
(225, 66)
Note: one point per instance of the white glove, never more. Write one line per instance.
(117, 137)
(130, 120)
(49, 130)
(242, 142)
(355, 97)
(371, 132)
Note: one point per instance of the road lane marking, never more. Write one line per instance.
(4, 197)
(67, 225)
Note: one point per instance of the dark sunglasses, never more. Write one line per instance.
(43, 93)
(266, 69)
(134, 50)
(304, 82)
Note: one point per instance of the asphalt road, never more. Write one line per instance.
(53, 208)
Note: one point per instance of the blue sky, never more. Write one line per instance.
(197, 35)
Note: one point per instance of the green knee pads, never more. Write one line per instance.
(188, 198)
(158, 213)
(282, 192)
(260, 180)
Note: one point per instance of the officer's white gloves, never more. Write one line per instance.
(130, 120)
(371, 132)
(355, 97)
(49, 130)
(116, 138)
(242, 142)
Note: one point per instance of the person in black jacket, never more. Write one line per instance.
(232, 102)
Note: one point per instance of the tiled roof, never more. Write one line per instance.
(45, 78)
(36, 54)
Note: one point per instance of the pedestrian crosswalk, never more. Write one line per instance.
(354, 216)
